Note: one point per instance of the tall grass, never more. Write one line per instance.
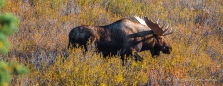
(42, 40)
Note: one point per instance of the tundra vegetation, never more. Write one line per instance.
(42, 39)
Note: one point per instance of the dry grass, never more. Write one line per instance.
(42, 39)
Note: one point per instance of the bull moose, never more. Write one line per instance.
(123, 37)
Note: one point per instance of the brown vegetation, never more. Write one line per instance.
(196, 58)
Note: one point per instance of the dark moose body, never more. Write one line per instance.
(122, 37)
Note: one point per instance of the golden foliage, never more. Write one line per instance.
(42, 40)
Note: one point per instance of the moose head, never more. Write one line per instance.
(159, 43)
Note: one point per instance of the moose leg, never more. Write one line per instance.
(137, 57)
(152, 51)
(70, 45)
(135, 50)
(131, 50)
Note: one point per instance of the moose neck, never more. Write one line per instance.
(149, 41)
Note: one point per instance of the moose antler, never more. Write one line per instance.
(156, 29)
(170, 32)
(141, 21)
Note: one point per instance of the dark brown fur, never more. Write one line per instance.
(122, 37)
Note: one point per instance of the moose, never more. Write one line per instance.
(123, 37)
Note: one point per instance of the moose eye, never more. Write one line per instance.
(160, 38)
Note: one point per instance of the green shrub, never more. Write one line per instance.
(8, 25)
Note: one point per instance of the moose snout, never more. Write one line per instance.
(167, 50)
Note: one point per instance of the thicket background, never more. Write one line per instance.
(42, 38)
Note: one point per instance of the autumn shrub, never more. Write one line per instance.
(42, 38)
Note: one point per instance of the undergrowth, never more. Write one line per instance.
(41, 43)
